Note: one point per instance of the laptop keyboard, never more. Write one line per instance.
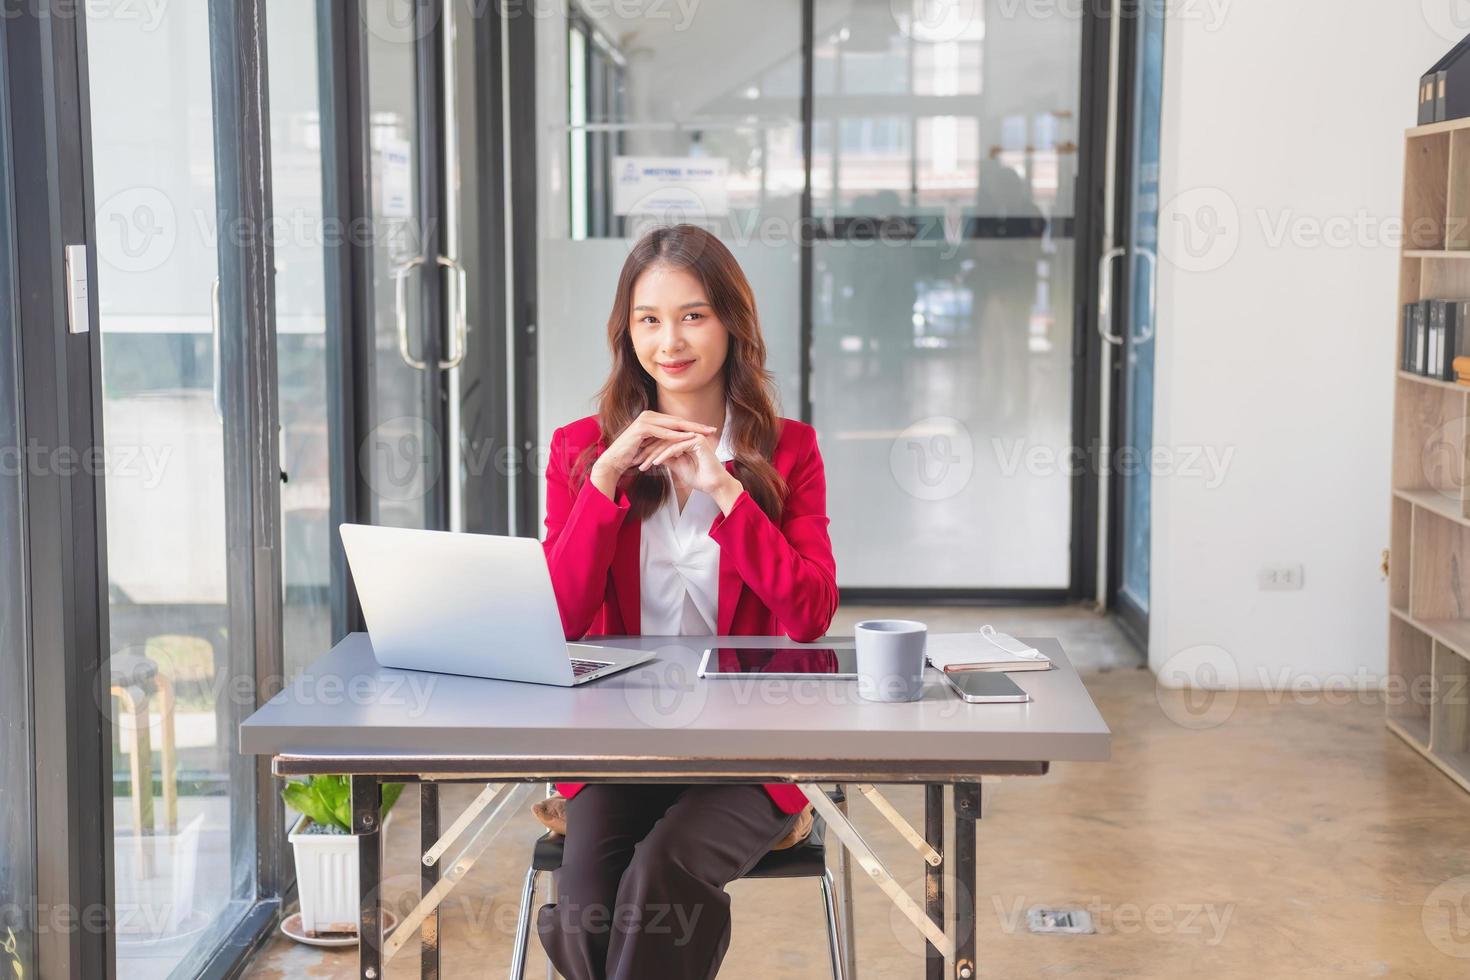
(580, 667)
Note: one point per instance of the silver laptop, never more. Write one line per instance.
(476, 604)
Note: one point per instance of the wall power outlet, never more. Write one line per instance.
(1280, 578)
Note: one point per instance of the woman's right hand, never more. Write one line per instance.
(626, 450)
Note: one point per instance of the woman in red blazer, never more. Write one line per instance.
(641, 890)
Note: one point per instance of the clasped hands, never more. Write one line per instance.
(685, 447)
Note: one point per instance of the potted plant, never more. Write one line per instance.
(326, 851)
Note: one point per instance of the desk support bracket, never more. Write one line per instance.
(838, 823)
(905, 829)
(509, 802)
(476, 807)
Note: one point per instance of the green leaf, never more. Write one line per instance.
(328, 799)
(324, 799)
(337, 794)
(301, 797)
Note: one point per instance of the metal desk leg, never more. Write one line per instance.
(367, 807)
(934, 876)
(966, 812)
(428, 878)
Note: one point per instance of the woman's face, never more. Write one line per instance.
(676, 335)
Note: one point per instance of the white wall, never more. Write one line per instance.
(1281, 115)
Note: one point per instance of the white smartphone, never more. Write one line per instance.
(984, 686)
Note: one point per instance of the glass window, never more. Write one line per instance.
(184, 806)
(1138, 386)
(301, 333)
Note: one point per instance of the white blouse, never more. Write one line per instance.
(679, 563)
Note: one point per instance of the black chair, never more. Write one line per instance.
(805, 860)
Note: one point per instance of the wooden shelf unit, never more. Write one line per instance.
(1428, 702)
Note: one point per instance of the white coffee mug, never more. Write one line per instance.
(890, 659)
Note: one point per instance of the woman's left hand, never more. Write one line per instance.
(693, 463)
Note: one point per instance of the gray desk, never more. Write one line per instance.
(347, 715)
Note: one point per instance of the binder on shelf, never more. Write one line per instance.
(1420, 337)
(1444, 90)
(1406, 338)
(1457, 337)
(1430, 106)
(1453, 92)
(1449, 321)
(1434, 340)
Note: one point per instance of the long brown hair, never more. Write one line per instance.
(755, 426)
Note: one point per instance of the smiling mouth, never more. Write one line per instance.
(676, 365)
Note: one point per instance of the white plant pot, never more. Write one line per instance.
(326, 878)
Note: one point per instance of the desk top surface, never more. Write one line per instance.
(346, 705)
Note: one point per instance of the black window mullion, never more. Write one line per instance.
(520, 77)
(64, 526)
(346, 208)
(1088, 353)
(429, 116)
(808, 105)
(18, 855)
(486, 493)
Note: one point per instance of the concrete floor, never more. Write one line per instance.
(1298, 838)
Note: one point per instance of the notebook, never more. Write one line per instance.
(985, 649)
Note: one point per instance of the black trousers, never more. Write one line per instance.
(641, 890)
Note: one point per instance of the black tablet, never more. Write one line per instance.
(840, 662)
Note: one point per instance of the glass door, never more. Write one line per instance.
(473, 152)
(898, 180)
(184, 842)
(1141, 69)
(945, 154)
(403, 453)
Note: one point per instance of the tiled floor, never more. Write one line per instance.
(1297, 839)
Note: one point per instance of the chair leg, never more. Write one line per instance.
(134, 703)
(169, 753)
(834, 935)
(523, 926)
(551, 973)
(845, 917)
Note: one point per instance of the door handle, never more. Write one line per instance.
(400, 310)
(461, 334)
(1147, 334)
(219, 403)
(1105, 294)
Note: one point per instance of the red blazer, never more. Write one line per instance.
(773, 579)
